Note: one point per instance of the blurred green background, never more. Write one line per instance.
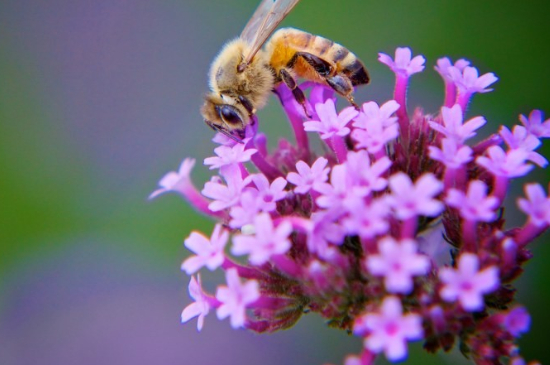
(98, 99)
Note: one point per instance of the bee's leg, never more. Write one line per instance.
(296, 91)
(340, 83)
(343, 86)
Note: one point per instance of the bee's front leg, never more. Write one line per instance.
(296, 91)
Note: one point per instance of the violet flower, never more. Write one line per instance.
(393, 230)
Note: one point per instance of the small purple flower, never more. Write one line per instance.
(451, 154)
(475, 205)
(268, 193)
(266, 242)
(467, 283)
(468, 80)
(200, 307)
(444, 63)
(330, 123)
(236, 297)
(209, 252)
(308, 177)
(520, 138)
(176, 181)
(227, 155)
(324, 232)
(535, 125)
(517, 321)
(403, 63)
(372, 113)
(367, 220)
(409, 200)
(505, 164)
(247, 209)
(454, 128)
(397, 262)
(388, 330)
(536, 206)
(225, 196)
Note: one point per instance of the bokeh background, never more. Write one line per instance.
(98, 99)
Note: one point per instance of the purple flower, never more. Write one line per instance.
(403, 63)
(505, 164)
(176, 181)
(397, 262)
(367, 220)
(468, 80)
(517, 321)
(225, 196)
(475, 205)
(454, 128)
(307, 177)
(535, 125)
(451, 154)
(268, 193)
(200, 307)
(520, 138)
(443, 65)
(388, 330)
(467, 283)
(235, 298)
(266, 242)
(536, 206)
(409, 200)
(227, 155)
(393, 203)
(330, 123)
(209, 252)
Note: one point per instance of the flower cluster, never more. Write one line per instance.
(396, 232)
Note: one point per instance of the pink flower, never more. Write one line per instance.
(535, 125)
(330, 123)
(307, 177)
(372, 113)
(225, 196)
(397, 262)
(235, 298)
(443, 65)
(536, 206)
(227, 155)
(176, 181)
(409, 200)
(403, 63)
(248, 207)
(367, 220)
(266, 242)
(453, 127)
(505, 164)
(520, 138)
(451, 154)
(200, 307)
(468, 80)
(475, 205)
(324, 232)
(209, 252)
(467, 283)
(517, 321)
(388, 330)
(269, 194)
(375, 126)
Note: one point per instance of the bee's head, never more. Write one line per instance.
(226, 115)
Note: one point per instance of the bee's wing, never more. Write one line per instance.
(264, 21)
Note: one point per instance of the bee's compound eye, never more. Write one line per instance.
(230, 115)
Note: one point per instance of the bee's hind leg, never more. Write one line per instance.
(296, 91)
(341, 83)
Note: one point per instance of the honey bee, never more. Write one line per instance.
(243, 74)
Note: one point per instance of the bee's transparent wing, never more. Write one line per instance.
(262, 24)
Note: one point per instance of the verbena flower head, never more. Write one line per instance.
(394, 231)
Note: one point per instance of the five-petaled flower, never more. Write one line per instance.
(235, 298)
